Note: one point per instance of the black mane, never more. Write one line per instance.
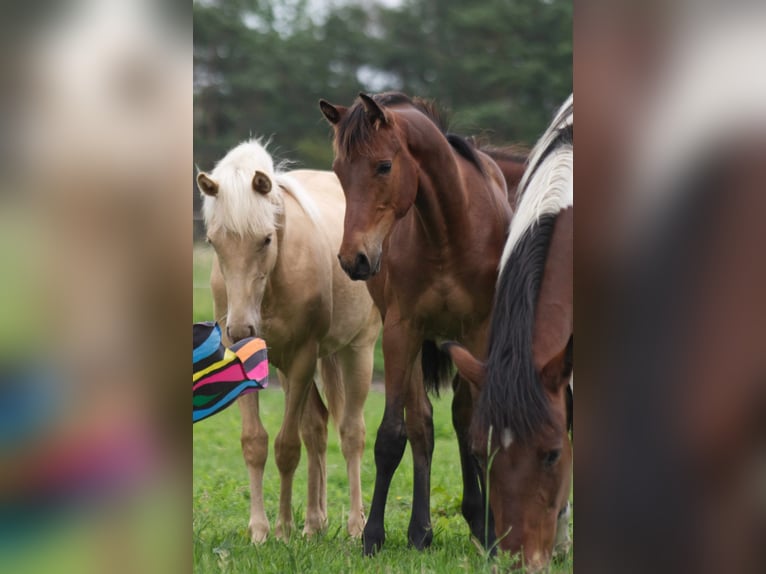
(512, 397)
(355, 131)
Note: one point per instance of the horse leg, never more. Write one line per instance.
(255, 449)
(254, 438)
(287, 446)
(314, 434)
(420, 431)
(400, 349)
(474, 505)
(356, 364)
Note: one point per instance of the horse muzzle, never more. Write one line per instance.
(361, 268)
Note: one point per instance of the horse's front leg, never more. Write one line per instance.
(474, 505)
(287, 446)
(400, 349)
(255, 449)
(254, 438)
(420, 431)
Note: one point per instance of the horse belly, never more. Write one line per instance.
(448, 311)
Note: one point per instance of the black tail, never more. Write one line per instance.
(437, 367)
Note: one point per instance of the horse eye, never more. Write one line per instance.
(383, 168)
(551, 457)
(267, 241)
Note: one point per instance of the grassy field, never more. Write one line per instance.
(221, 497)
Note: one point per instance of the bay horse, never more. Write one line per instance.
(275, 276)
(512, 161)
(520, 427)
(426, 219)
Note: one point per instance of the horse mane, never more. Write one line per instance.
(512, 398)
(355, 132)
(547, 184)
(515, 153)
(239, 209)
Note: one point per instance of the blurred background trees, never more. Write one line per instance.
(499, 67)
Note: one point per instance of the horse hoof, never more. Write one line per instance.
(313, 527)
(372, 541)
(479, 534)
(258, 532)
(356, 526)
(282, 531)
(420, 538)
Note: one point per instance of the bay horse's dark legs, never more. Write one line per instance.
(420, 431)
(389, 449)
(400, 348)
(474, 496)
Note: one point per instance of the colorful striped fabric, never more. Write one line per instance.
(220, 374)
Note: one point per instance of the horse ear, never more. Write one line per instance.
(470, 368)
(374, 112)
(261, 183)
(332, 114)
(206, 185)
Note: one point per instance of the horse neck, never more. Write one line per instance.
(441, 202)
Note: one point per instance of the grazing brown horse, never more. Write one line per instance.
(425, 223)
(524, 410)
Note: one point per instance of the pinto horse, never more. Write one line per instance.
(524, 409)
(425, 223)
(275, 276)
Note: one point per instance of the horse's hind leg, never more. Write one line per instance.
(255, 449)
(356, 363)
(314, 434)
(474, 505)
(287, 446)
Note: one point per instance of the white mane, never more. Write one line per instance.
(547, 185)
(237, 207)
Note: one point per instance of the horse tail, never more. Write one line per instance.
(437, 367)
(333, 387)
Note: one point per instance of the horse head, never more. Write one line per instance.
(528, 475)
(242, 209)
(379, 178)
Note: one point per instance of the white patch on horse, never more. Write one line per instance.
(237, 207)
(547, 186)
(506, 438)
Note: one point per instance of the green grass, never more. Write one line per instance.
(221, 497)
(202, 301)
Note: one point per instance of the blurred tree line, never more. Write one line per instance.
(500, 67)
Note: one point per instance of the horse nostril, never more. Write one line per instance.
(362, 264)
(240, 332)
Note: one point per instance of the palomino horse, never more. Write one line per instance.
(523, 412)
(425, 223)
(275, 276)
